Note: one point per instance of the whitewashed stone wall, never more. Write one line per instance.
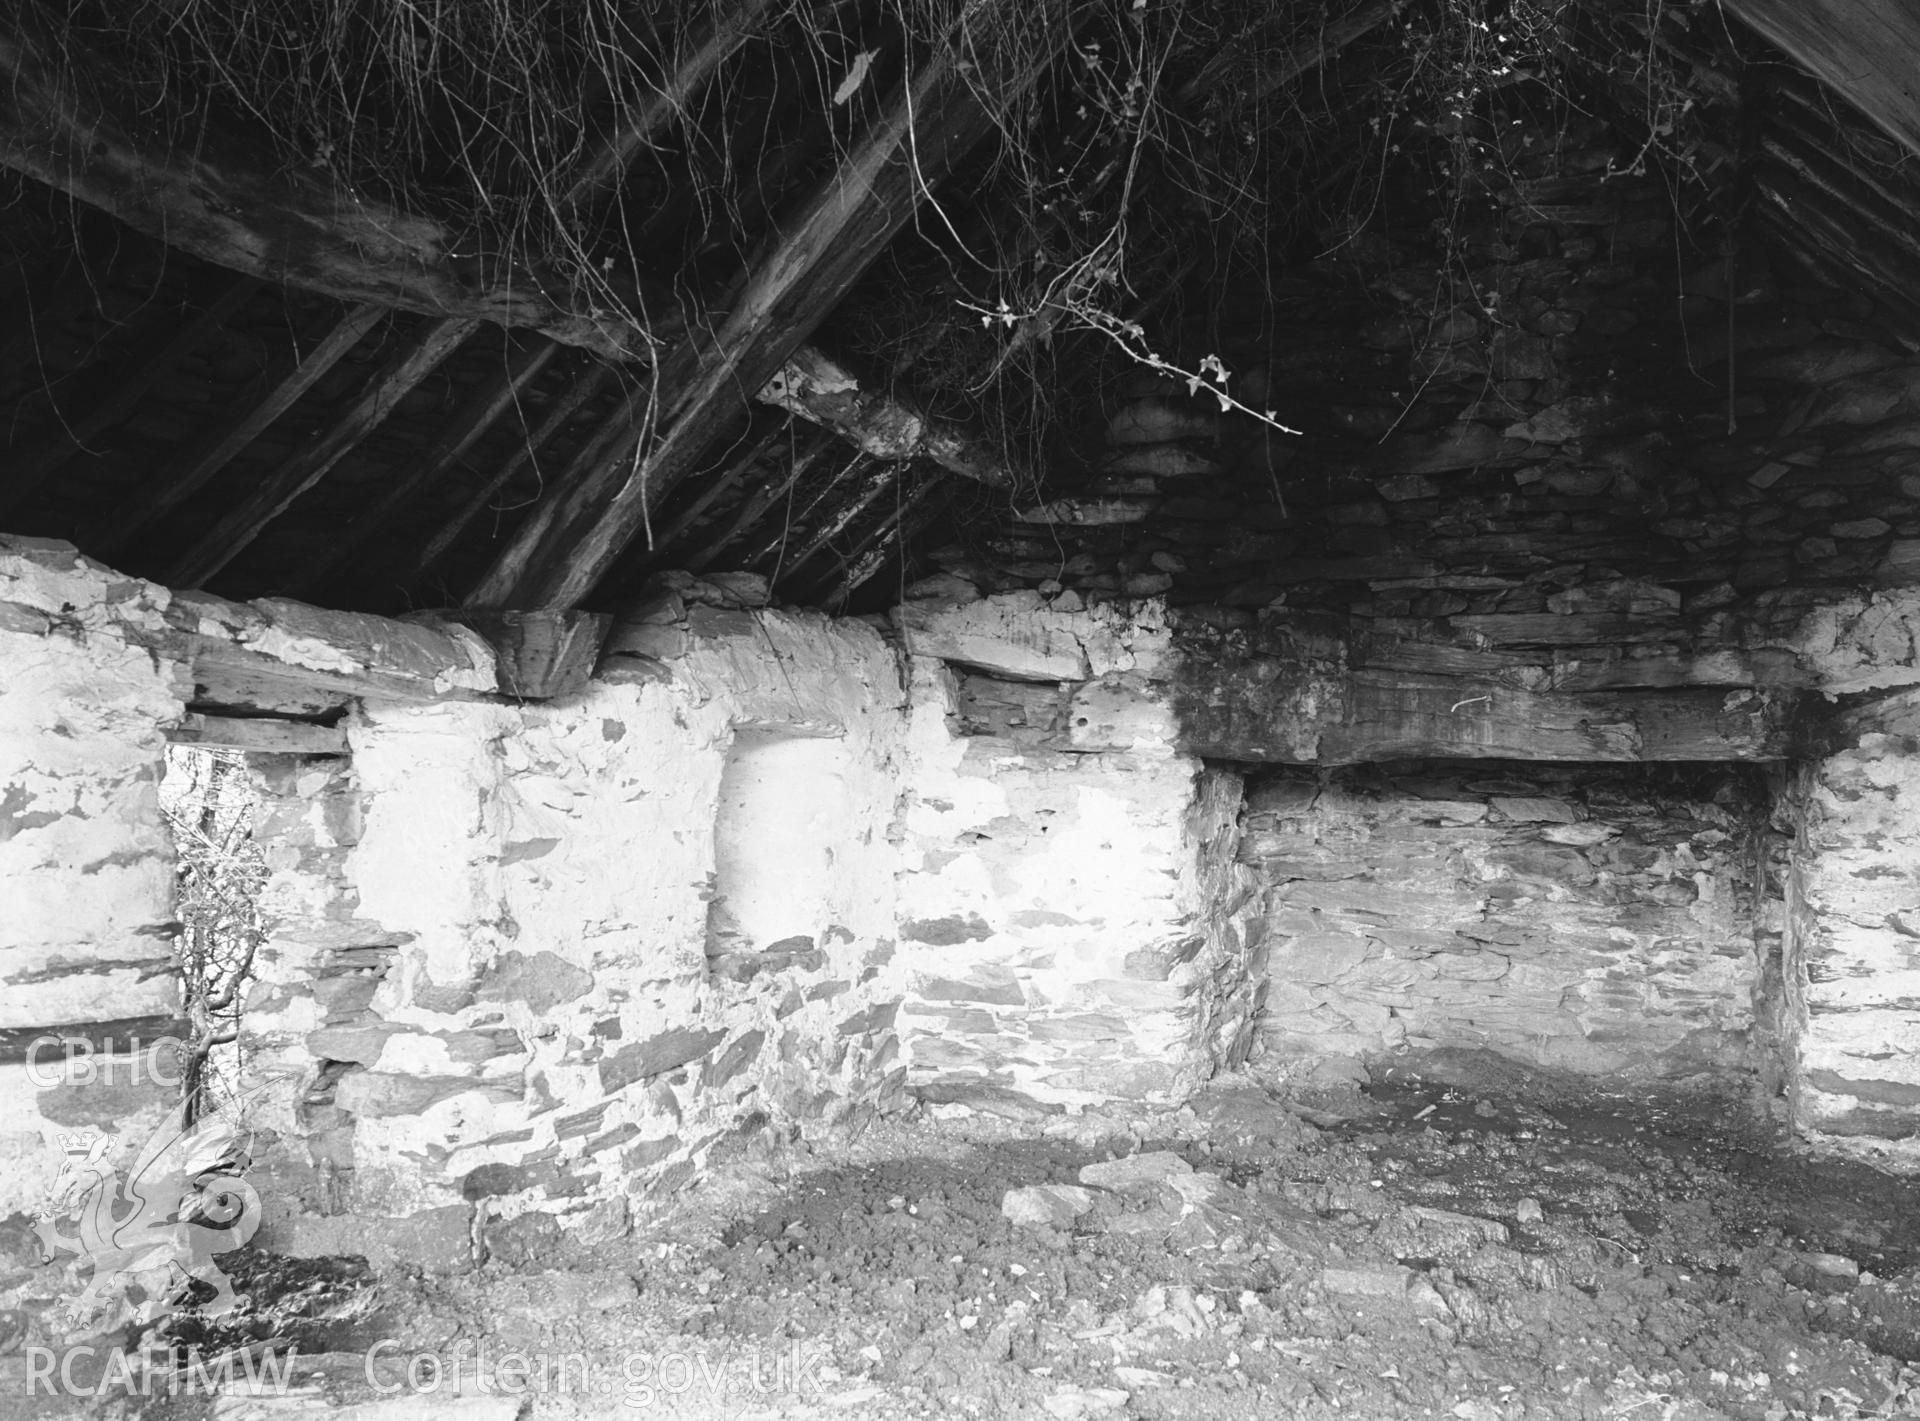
(521, 1008)
(1073, 923)
(86, 863)
(1854, 940)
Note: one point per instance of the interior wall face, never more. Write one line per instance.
(523, 1008)
(1853, 939)
(86, 864)
(1073, 920)
(1593, 920)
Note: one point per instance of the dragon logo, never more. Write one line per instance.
(149, 1234)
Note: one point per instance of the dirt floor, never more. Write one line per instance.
(1422, 1249)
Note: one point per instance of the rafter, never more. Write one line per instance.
(1862, 49)
(26, 472)
(753, 508)
(911, 513)
(585, 387)
(772, 541)
(473, 419)
(601, 174)
(412, 363)
(561, 553)
(795, 562)
(291, 379)
(712, 490)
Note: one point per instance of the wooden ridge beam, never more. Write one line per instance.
(27, 471)
(561, 553)
(265, 734)
(418, 357)
(291, 379)
(269, 220)
(476, 415)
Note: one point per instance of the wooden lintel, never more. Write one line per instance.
(273, 221)
(268, 735)
(278, 657)
(1294, 709)
(409, 365)
(473, 419)
(1395, 718)
(561, 553)
(540, 655)
(290, 380)
(817, 388)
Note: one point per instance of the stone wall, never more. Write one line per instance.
(1598, 921)
(1853, 938)
(1072, 920)
(1587, 424)
(508, 998)
(86, 861)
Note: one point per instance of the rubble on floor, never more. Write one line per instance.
(1417, 1250)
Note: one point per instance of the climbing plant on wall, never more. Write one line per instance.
(220, 870)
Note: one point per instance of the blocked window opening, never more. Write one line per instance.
(783, 818)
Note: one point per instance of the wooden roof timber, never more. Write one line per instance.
(754, 507)
(769, 542)
(560, 554)
(272, 221)
(293, 375)
(794, 561)
(26, 471)
(703, 54)
(588, 384)
(417, 358)
(816, 387)
(913, 511)
(269, 223)
(475, 417)
(711, 491)
(1864, 49)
